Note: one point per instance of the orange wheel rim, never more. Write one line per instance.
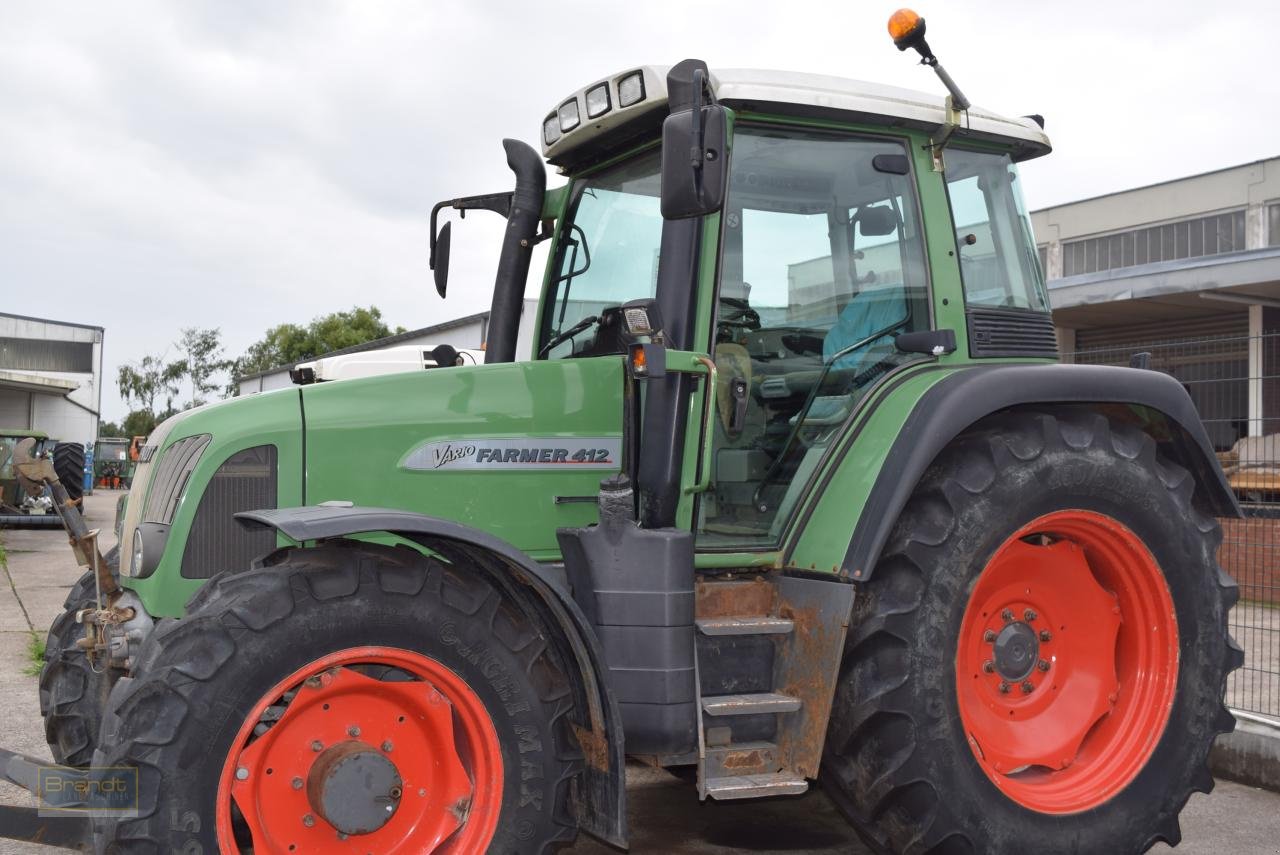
(369, 749)
(1067, 662)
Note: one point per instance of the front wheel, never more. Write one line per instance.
(73, 691)
(351, 698)
(1039, 661)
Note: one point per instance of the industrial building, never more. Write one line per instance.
(50, 377)
(1188, 270)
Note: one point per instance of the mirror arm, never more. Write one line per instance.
(499, 203)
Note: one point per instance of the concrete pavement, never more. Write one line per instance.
(665, 814)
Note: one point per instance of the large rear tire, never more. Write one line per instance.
(68, 464)
(259, 720)
(1039, 660)
(73, 694)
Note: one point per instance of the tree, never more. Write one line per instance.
(139, 423)
(148, 380)
(154, 379)
(109, 429)
(202, 358)
(286, 344)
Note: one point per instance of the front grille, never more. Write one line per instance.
(171, 478)
(1010, 332)
(246, 481)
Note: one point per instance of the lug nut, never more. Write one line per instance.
(353, 731)
(989, 636)
(242, 774)
(297, 783)
(308, 820)
(1028, 687)
(989, 666)
(1004, 687)
(317, 745)
(1045, 635)
(1029, 615)
(1007, 615)
(1043, 664)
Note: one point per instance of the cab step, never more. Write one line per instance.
(750, 625)
(764, 702)
(756, 786)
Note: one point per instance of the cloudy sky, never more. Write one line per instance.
(238, 165)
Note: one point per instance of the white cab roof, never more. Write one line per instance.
(799, 93)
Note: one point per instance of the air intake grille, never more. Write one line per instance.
(216, 542)
(1011, 332)
(171, 478)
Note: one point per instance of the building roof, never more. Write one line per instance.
(815, 93)
(376, 344)
(50, 321)
(1154, 184)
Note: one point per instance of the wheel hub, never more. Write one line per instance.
(354, 787)
(1016, 651)
(1066, 661)
(405, 764)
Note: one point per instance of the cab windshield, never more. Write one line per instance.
(608, 252)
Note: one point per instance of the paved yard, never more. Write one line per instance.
(665, 814)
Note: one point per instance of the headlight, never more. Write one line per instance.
(569, 118)
(631, 89)
(598, 101)
(551, 129)
(135, 566)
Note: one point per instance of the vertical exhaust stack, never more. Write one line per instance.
(517, 250)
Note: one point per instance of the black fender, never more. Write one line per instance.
(602, 808)
(964, 397)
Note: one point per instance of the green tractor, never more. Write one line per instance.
(790, 488)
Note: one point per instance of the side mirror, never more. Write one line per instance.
(695, 166)
(440, 259)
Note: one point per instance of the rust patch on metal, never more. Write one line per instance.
(740, 760)
(812, 667)
(595, 749)
(733, 598)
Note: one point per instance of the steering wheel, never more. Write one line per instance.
(735, 313)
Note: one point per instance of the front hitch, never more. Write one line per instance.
(35, 474)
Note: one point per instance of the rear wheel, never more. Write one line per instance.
(360, 694)
(68, 464)
(1039, 661)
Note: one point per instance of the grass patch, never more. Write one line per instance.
(35, 653)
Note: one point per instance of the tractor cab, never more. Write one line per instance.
(856, 229)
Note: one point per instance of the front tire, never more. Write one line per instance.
(1039, 660)
(259, 720)
(73, 693)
